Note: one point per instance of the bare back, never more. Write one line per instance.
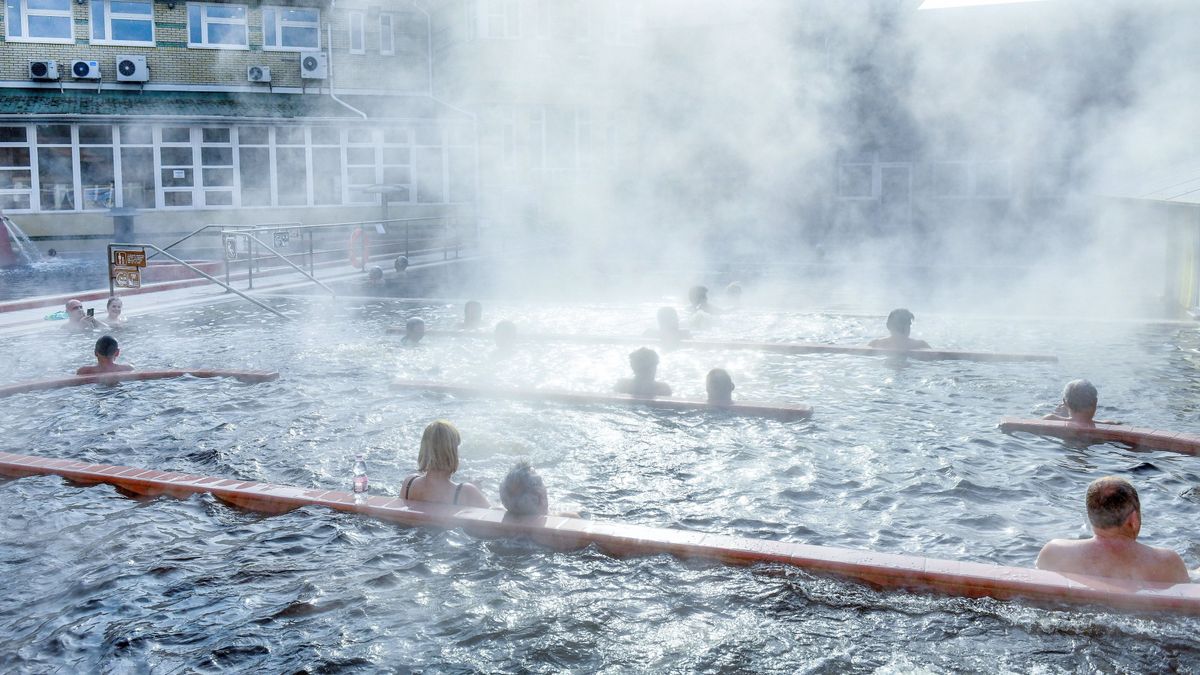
(1127, 560)
(421, 488)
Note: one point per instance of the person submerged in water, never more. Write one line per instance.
(414, 330)
(899, 324)
(1113, 551)
(523, 493)
(668, 328)
(1079, 399)
(107, 352)
(78, 320)
(506, 339)
(436, 463)
(114, 309)
(734, 293)
(698, 301)
(472, 315)
(720, 387)
(644, 362)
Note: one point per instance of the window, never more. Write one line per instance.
(291, 28)
(327, 154)
(500, 19)
(254, 164)
(387, 35)
(360, 165)
(137, 166)
(16, 176)
(177, 166)
(357, 44)
(129, 22)
(216, 162)
(291, 166)
(217, 26)
(397, 163)
(56, 167)
(96, 174)
(39, 21)
(430, 167)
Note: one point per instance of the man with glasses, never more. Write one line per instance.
(1115, 513)
(78, 320)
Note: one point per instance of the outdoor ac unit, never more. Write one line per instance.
(132, 69)
(314, 66)
(43, 70)
(258, 74)
(85, 70)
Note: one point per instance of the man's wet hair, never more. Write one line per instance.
(414, 323)
(1110, 501)
(642, 360)
(107, 347)
(375, 273)
(900, 321)
(698, 295)
(719, 384)
(401, 263)
(1080, 395)
(523, 492)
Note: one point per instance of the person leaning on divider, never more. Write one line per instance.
(1079, 399)
(107, 352)
(644, 362)
(899, 324)
(436, 463)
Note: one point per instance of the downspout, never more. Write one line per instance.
(329, 58)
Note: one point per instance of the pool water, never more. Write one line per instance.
(898, 457)
(53, 275)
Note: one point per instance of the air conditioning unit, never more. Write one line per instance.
(85, 70)
(43, 70)
(314, 66)
(132, 69)
(258, 74)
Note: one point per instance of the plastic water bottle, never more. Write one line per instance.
(360, 480)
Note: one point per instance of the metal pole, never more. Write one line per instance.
(290, 263)
(407, 226)
(110, 276)
(249, 264)
(363, 244)
(311, 268)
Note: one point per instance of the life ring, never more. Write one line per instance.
(360, 242)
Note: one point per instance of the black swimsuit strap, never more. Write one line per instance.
(408, 485)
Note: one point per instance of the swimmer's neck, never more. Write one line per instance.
(1081, 418)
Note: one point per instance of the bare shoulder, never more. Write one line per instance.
(86, 370)
(920, 344)
(473, 496)
(877, 343)
(1056, 554)
(1169, 565)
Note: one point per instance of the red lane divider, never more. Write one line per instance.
(131, 376)
(777, 347)
(1188, 444)
(881, 570)
(784, 412)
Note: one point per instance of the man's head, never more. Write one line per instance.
(719, 385)
(375, 274)
(1080, 397)
(1110, 503)
(644, 362)
(74, 310)
(472, 313)
(414, 329)
(698, 296)
(106, 348)
(734, 292)
(506, 335)
(899, 322)
(523, 493)
(401, 263)
(668, 320)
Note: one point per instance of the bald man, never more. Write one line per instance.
(1113, 551)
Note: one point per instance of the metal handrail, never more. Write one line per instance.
(227, 287)
(196, 232)
(289, 262)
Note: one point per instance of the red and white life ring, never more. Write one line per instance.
(360, 243)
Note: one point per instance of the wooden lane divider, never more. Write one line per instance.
(775, 347)
(778, 411)
(887, 571)
(1188, 444)
(133, 376)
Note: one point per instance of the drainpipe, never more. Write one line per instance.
(329, 58)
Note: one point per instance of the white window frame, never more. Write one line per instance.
(31, 190)
(281, 22)
(389, 31)
(108, 18)
(69, 14)
(205, 21)
(361, 19)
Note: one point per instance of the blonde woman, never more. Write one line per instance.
(436, 463)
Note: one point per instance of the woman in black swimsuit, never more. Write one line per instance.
(437, 461)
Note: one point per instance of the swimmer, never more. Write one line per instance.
(114, 308)
(644, 362)
(720, 387)
(375, 275)
(472, 315)
(1078, 405)
(401, 264)
(698, 301)
(414, 330)
(436, 463)
(107, 352)
(668, 328)
(734, 292)
(1115, 513)
(899, 324)
(78, 320)
(506, 340)
(523, 493)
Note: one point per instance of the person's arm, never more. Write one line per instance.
(1172, 567)
(1056, 418)
(877, 343)
(473, 496)
(1049, 558)
(85, 370)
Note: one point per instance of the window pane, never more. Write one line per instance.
(176, 156)
(301, 15)
(226, 34)
(216, 156)
(396, 155)
(218, 198)
(18, 157)
(327, 183)
(131, 30)
(12, 135)
(98, 20)
(14, 202)
(137, 177)
(177, 198)
(95, 135)
(54, 133)
(225, 11)
(289, 136)
(356, 32)
(294, 36)
(214, 135)
(57, 179)
(360, 156)
(386, 38)
(269, 19)
(119, 7)
(218, 177)
(325, 136)
(57, 5)
(256, 176)
(399, 136)
(252, 136)
(176, 178)
(399, 175)
(96, 176)
(194, 25)
(13, 17)
(137, 135)
(360, 135)
(292, 176)
(15, 180)
(361, 176)
(176, 135)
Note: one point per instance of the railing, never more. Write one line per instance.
(205, 228)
